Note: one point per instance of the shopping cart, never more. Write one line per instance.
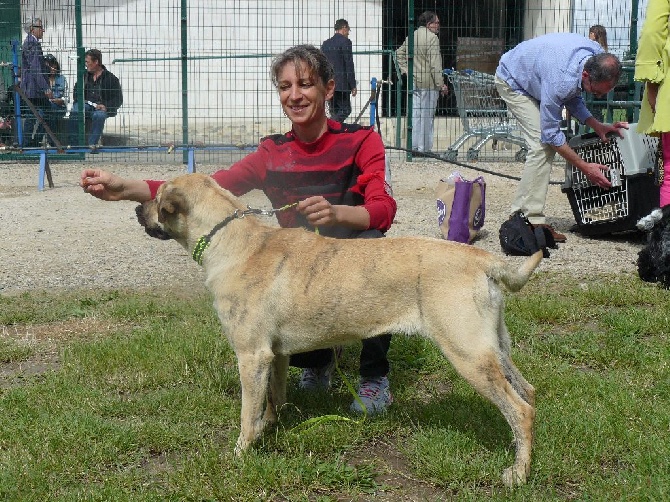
(483, 113)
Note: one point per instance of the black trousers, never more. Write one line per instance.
(373, 361)
(340, 106)
(43, 105)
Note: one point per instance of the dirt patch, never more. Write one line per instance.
(44, 344)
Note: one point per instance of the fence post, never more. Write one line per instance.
(373, 100)
(184, 80)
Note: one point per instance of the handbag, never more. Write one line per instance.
(659, 171)
(461, 207)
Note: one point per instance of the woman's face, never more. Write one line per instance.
(303, 96)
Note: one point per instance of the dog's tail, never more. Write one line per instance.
(515, 278)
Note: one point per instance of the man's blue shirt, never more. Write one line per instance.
(549, 69)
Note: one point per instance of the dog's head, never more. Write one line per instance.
(653, 262)
(185, 208)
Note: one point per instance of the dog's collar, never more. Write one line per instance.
(204, 241)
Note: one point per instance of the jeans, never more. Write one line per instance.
(97, 118)
(424, 102)
(373, 361)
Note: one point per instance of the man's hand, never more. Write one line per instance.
(594, 173)
(602, 130)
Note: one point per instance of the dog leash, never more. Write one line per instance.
(205, 240)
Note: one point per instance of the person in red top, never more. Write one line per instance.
(336, 174)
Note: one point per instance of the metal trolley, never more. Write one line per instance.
(483, 113)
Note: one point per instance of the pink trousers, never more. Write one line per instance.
(665, 186)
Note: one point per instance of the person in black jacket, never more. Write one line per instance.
(34, 83)
(102, 98)
(338, 51)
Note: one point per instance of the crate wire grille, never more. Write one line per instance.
(596, 204)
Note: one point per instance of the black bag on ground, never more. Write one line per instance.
(519, 237)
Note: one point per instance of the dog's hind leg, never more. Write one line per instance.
(513, 375)
(255, 368)
(277, 392)
(483, 368)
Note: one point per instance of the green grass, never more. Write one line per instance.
(141, 401)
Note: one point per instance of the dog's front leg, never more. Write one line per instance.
(254, 377)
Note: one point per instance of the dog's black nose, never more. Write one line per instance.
(157, 233)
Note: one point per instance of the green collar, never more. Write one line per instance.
(203, 242)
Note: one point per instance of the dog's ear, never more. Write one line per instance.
(171, 202)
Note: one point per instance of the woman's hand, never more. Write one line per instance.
(318, 211)
(107, 186)
(321, 213)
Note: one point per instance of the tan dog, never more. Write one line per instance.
(283, 291)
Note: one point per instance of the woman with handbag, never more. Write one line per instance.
(651, 67)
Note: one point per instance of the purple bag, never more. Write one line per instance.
(460, 207)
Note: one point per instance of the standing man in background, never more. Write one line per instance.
(428, 79)
(34, 83)
(536, 79)
(339, 52)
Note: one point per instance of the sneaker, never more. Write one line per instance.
(313, 379)
(558, 237)
(375, 394)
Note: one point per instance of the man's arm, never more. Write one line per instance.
(349, 66)
(401, 57)
(592, 171)
(113, 95)
(36, 67)
(435, 60)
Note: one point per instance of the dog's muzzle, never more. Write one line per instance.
(156, 232)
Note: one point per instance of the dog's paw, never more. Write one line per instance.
(241, 446)
(514, 476)
(647, 222)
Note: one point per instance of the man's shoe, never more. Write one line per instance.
(375, 395)
(558, 237)
(313, 379)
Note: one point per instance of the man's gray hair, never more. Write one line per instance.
(604, 67)
(28, 25)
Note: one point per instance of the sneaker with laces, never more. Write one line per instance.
(319, 378)
(375, 395)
